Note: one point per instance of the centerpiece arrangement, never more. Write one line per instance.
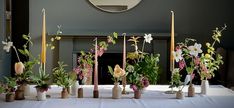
(142, 67)
(193, 59)
(117, 74)
(63, 79)
(9, 89)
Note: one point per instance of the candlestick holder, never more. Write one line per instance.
(95, 94)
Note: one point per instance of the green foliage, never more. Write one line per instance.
(41, 79)
(175, 79)
(149, 67)
(61, 77)
(10, 85)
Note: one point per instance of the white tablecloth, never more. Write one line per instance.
(153, 97)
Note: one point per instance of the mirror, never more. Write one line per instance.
(114, 5)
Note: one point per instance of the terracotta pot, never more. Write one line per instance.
(204, 87)
(19, 93)
(80, 93)
(116, 91)
(179, 95)
(137, 94)
(10, 97)
(41, 95)
(64, 93)
(191, 90)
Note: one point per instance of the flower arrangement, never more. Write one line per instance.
(9, 87)
(85, 60)
(61, 77)
(117, 73)
(191, 57)
(211, 60)
(142, 67)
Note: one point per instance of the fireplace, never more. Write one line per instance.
(70, 47)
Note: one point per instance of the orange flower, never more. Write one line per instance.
(19, 68)
(118, 72)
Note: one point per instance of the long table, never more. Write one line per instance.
(153, 97)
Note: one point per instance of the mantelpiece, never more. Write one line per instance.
(71, 45)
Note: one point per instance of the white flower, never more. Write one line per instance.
(148, 38)
(7, 45)
(178, 55)
(195, 50)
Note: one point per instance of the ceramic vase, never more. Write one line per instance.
(74, 88)
(204, 87)
(116, 91)
(64, 93)
(137, 94)
(179, 95)
(27, 90)
(41, 95)
(19, 93)
(10, 97)
(191, 90)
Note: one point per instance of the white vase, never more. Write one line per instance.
(74, 88)
(41, 95)
(27, 90)
(116, 91)
(204, 87)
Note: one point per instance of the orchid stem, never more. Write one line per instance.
(16, 53)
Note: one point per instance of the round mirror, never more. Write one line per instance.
(114, 5)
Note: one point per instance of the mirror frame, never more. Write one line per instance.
(109, 11)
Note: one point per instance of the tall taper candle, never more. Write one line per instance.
(124, 63)
(96, 68)
(172, 42)
(43, 42)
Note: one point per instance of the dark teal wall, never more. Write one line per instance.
(194, 18)
(5, 63)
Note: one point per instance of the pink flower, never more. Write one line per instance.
(110, 39)
(197, 61)
(177, 48)
(100, 52)
(145, 82)
(181, 64)
(77, 70)
(134, 87)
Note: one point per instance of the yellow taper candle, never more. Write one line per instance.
(43, 42)
(172, 42)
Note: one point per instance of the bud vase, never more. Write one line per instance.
(191, 90)
(10, 97)
(64, 93)
(137, 94)
(41, 95)
(19, 93)
(26, 90)
(116, 91)
(179, 95)
(204, 87)
(74, 88)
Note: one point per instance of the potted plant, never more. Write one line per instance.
(210, 60)
(188, 54)
(117, 74)
(41, 84)
(63, 79)
(83, 71)
(142, 68)
(10, 89)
